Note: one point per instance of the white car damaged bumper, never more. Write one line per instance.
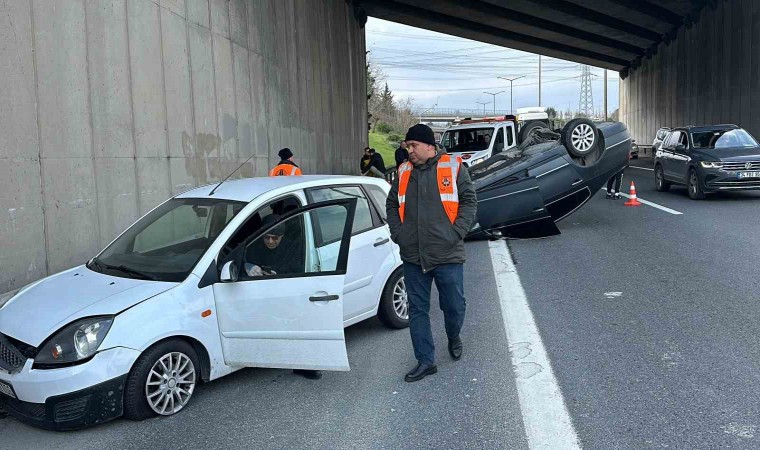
(70, 397)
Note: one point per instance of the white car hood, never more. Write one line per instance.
(39, 310)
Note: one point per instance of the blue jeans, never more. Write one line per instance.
(449, 279)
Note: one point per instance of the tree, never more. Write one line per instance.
(552, 112)
(375, 76)
(615, 116)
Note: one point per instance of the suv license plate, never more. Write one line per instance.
(7, 389)
(743, 175)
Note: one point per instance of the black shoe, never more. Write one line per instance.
(608, 196)
(308, 374)
(420, 372)
(617, 196)
(455, 348)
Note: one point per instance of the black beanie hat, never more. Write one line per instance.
(285, 153)
(420, 133)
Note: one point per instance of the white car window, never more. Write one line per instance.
(326, 223)
(379, 196)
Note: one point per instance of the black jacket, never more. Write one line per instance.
(427, 237)
(377, 162)
(401, 155)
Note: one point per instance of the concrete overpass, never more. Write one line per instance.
(107, 107)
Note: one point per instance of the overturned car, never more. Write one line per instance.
(524, 191)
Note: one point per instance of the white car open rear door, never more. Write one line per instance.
(286, 310)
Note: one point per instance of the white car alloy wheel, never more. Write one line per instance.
(170, 384)
(583, 137)
(401, 300)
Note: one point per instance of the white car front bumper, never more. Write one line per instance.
(69, 397)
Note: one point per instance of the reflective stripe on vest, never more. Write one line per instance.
(446, 173)
(284, 170)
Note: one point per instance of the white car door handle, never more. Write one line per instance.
(380, 242)
(323, 298)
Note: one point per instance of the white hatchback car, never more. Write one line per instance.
(256, 273)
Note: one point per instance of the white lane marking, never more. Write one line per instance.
(613, 294)
(641, 168)
(547, 421)
(655, 205)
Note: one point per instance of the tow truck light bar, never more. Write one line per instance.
(468, 120)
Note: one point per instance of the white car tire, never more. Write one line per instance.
(162, 381)
(393, 310)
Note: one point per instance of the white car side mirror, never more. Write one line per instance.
(229, 272)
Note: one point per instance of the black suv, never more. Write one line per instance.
(708, 159)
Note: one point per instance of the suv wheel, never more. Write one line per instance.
(659, 179)
(393, 310)
(695, 189)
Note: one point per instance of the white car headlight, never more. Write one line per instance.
(76, 342)
(712, 164)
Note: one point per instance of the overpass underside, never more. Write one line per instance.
(681, 61)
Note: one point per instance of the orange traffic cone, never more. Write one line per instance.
(633, 201)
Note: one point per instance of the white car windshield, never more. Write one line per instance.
(723, 139)
(467, 140)
(167, 243)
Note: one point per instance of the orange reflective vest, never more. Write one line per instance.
(284, 170)
(447, 173)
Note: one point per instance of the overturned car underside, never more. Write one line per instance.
(524, 191)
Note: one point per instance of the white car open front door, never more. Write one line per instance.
(277, 304)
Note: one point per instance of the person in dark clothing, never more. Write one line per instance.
(402, 154)
(376, 165)
(428, 219)
(365, 162)
(617, 180)
(273, 254)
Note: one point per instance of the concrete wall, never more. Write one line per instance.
(708, 75)
(108, 107)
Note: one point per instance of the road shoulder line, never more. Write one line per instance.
(655, 205)
(547, 421)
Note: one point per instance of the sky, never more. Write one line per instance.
(453, 72)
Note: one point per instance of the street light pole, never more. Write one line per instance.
(511, 107)
(484, 106)
(494, 99)
(539, 80)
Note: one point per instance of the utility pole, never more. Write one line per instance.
(494, 99)
(539, 80)
(511, 107)
(484, 106)
(605, 96)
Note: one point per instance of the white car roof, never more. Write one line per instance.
(247, 189)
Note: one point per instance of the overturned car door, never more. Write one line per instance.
(510, 206)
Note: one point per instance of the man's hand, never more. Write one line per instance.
(255, 271)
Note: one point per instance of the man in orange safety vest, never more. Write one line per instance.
(431, 208)
(286, 167)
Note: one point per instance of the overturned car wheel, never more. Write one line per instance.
(580, 137)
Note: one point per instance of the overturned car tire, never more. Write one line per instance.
(580, 137)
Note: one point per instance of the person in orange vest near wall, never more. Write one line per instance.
(431, 208)
(286, 167)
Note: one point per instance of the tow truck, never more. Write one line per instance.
(476, 140)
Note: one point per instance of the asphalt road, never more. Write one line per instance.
(670, 356)
(471, 403)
